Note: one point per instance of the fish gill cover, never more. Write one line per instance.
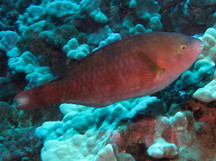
(42, 40)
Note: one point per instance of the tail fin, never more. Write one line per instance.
(23, 101)
(37, 97)
(29, 99)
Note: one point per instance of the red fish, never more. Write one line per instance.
(133, 67)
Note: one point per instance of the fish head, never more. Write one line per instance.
(181, 52)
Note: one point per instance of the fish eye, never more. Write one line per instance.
(183, 48)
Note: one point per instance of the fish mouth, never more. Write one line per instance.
(199, 49)
(201, 46)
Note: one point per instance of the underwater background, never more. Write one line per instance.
(40, 39)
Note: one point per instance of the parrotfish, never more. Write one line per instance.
(136, 66)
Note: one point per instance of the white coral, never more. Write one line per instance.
(162, 149)
(29, 64)
(74, 50)
(94, 11)
(209, 52)
(8, 40)
(61, 8)
(178, 124)
(110, 39)
(208, 93)
(83, 134)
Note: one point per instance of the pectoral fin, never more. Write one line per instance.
(151, 69)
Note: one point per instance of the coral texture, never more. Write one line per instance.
(208, 93)
(86, 131)
(41, 39)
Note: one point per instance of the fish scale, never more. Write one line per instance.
(133, 67)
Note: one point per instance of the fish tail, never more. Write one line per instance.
(37, 97)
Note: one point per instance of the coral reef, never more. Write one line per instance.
(110, 39)
(28, 63)
(74, 50)
(94, 11)
(40, 39)
(8, 40)
(61, 8)
(208, 93)
(19, 144)
(86, 130)
(179, 16)
(48, 28)
(165, 137)
(10, 11)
